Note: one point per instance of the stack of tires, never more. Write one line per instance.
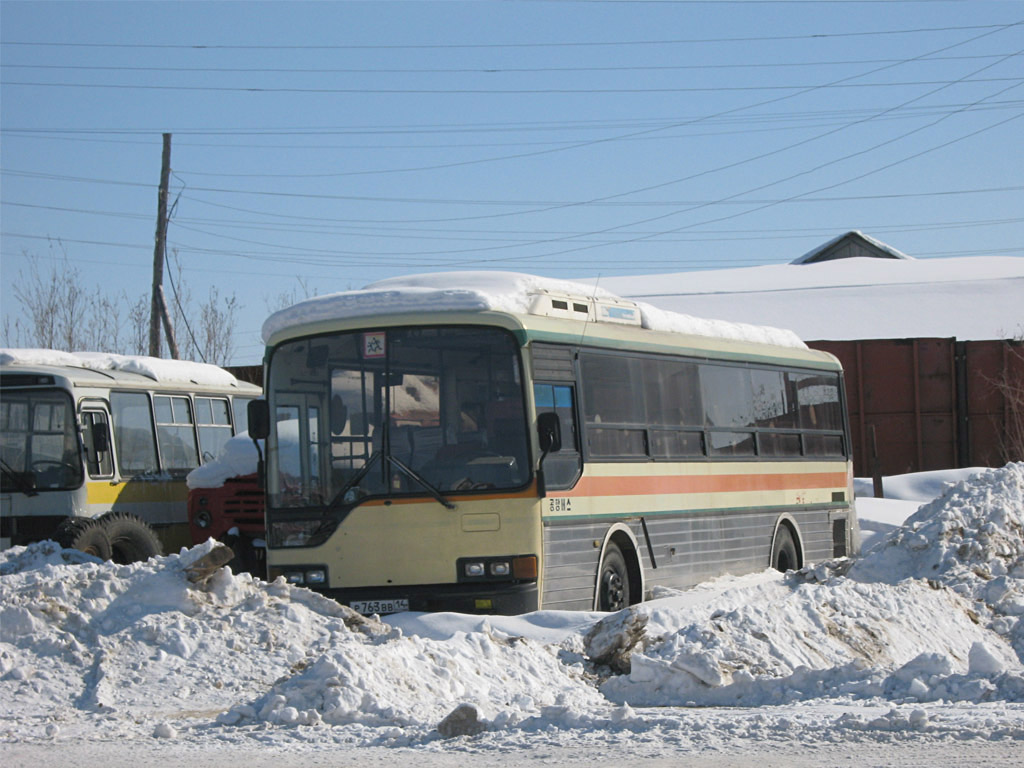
(117, 536)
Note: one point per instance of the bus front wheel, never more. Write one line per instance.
(613, 581)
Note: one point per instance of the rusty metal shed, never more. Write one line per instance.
(931, 403)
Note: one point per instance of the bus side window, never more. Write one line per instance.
(175, 432)
(214, 423)
(561, 469)
(96, 437)
(134, 440)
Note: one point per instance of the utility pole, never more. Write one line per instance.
(158, 308)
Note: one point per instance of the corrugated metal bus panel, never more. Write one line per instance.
(688, 549)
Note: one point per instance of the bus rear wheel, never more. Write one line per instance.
(613, 581)
(84, 534)
(784, 555)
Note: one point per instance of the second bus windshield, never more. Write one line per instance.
(400, 411)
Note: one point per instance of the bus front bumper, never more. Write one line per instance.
(507, 599)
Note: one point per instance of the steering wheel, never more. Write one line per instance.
(45, 466)
(51, 463)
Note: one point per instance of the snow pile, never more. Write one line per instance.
(499, 291)
(969, 540)
(970, 536)
(902, 497)
(895, 643)
(817, 633)
(792, 639)
(141, 640)
(137, 643)
(153, 368)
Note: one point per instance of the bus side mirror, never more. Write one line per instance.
(100, 438)
(259, 419)
(549, 431)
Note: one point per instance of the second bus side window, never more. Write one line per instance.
(176, 433)
(214, 423)
(134, 441)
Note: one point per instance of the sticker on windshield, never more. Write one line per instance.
(373, 344)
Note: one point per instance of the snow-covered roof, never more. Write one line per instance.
(511, 292)
(977, 297)
(153, 368)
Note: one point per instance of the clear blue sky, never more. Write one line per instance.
(320, 146)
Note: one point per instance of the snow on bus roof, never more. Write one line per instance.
(153, 368)
(499, 291)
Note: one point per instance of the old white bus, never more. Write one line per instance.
(95, 447)
(501, 443)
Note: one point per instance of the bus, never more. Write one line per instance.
(498, 442)
(94, 448)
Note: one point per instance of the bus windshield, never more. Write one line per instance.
(40, 448)
(419, 411)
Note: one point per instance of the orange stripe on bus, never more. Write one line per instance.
(650, 485)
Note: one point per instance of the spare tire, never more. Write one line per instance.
(131, 539)
(85, 534)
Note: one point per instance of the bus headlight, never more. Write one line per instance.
(509, 568)
(301, 575)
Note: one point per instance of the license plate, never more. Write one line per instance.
(381, 607)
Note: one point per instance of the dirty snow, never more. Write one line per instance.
(916, 646)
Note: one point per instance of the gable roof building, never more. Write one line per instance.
(851, 245)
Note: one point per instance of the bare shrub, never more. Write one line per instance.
(1010, 384)
(60, 312)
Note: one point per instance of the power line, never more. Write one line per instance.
(493, 46)
(497, 91)
(487, 70)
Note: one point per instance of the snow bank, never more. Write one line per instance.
(153, 368)
(498, 291)
(903, 495)
(971, 539)
(80, 638)
(931, 612)
(927, 620)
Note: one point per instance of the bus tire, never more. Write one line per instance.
(613, 581)
(85, 534)
(784, 552)
(131, 539)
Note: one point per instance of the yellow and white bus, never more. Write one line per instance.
(502, 443)
(95, 447)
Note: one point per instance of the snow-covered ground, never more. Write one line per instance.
(911, 655)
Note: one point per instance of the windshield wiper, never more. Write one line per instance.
(18, 479)
(352, 483)
(417, 477)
